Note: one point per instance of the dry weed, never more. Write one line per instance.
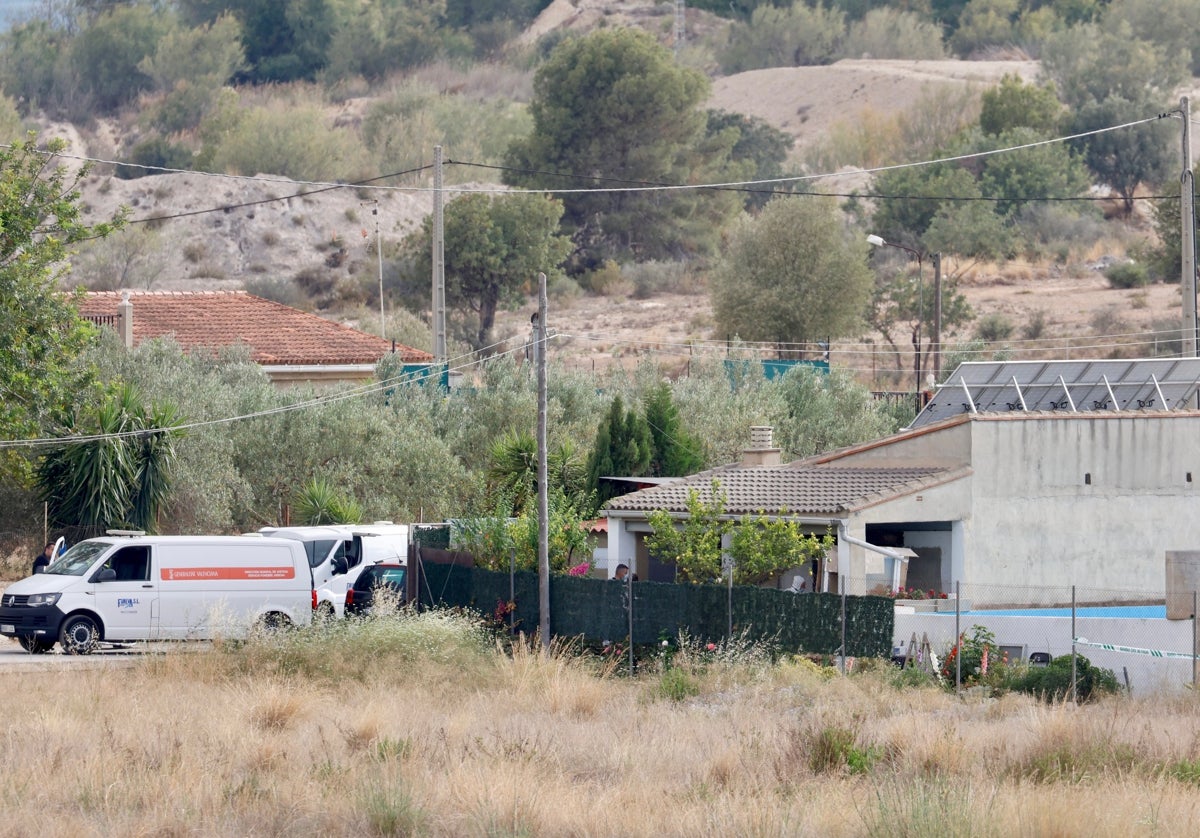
(540, 744)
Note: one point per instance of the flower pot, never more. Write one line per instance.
(926, 606)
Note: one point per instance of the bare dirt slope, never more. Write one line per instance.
(808, 101)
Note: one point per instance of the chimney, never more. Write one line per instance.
(125, 320)
(760, 452)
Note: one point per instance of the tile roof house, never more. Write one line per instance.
(290, 345)
(992, 499)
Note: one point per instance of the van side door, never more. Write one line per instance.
(127, 598)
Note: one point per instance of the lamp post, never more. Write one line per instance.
(877, 241)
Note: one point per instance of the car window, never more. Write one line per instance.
(375, 577)
(79, 558)
(320, 551)
(131, 564)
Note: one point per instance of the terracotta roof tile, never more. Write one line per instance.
(275, 333)
(807, 490)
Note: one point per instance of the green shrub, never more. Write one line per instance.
(834, 749)
(676, 685)
(277, 289)
(1185, 771)
(1127, 275)
(156, 152)
(1052, 683)
(783, 37)
(606, 280)
(563, 289)
(1035, 327)
(390, 811)
(888, 33)
(653, 278)
(994, 328)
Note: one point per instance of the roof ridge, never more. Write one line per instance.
(146, 292)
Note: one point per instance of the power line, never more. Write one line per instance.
(318, 402)
(302, 194)
(631, 186)
(651, 187)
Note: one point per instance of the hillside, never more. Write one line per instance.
(275, 228)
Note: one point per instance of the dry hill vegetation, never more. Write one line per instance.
(417, 726)
(316, 249)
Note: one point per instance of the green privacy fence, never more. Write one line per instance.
(599, 609)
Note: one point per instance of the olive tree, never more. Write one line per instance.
(796, 273)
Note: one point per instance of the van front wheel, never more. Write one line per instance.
(79, 635)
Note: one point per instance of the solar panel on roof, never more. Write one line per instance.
(1069, 385)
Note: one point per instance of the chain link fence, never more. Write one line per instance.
(1148, 643)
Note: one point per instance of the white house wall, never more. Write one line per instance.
(949, 502)
(1038, 521)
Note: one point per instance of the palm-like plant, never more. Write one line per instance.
(319, 502)
(123, 478)
(512, 475)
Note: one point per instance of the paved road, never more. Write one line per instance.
(15, 659)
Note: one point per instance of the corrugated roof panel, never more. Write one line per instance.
(1081, 385)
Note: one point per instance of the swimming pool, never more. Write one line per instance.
(1129, 611)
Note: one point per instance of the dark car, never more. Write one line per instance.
(387, 579)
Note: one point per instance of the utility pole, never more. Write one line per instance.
(680, 25)
(543, 499)
(1187, 242)
(439, 264)
(937, 317)
(379, 251)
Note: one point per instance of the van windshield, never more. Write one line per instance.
(77, 560)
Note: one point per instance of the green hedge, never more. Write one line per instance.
(596, 609)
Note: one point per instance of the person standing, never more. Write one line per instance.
(43, 559)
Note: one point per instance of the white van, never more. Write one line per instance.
(170, 587)
(337, 553)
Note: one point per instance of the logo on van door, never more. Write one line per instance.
(127, 602)
(197, 574)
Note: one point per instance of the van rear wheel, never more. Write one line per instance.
(79, 635)
(325, 614)
(272, 623)
(35, 645)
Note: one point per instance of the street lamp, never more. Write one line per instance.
(877, 241)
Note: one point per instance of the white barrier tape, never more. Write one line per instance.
(1133, 650)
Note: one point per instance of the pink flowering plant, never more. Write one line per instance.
(982, 662)
(916, 593)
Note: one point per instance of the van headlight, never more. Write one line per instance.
(42, 599)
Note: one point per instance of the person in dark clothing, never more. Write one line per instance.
(44, 558)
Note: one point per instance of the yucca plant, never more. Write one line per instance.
(120, 478)
(319, 502)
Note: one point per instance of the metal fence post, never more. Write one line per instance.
(1194, 639)
(729, 603)
(629, 600)
(1074, 696)
(958, 637)
(843, 662)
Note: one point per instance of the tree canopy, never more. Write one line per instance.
(494, 248)
(41, 335)
(794, 274)
(613, 109)
(623, 448)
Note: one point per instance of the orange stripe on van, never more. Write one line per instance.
(205, 574)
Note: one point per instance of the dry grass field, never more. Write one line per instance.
(418, 726)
